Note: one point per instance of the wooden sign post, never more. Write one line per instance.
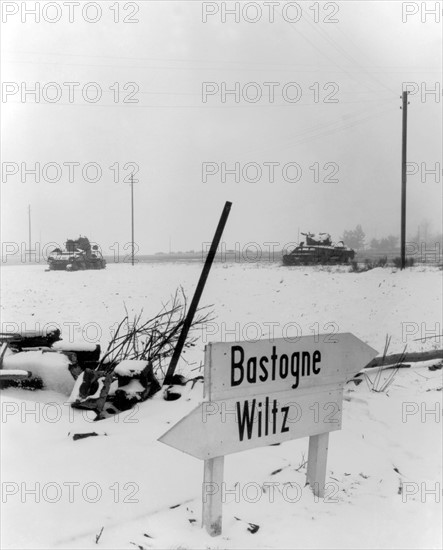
(266, 392)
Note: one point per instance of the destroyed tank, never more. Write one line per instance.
(319, 249)
(78, 254)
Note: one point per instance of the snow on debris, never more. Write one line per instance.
(52, 368)
(130, 367)
(73, 346)
(133, 388)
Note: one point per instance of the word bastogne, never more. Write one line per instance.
(273, 367)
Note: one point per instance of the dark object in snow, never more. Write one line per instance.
(83, 436)
(3, 350)
(436, 367)
(400, 357)
(92, 391)
(136, 382)
(171, 393)
(86, 358)
(197, 379)
(79, 254)
(319, 250)
(252, 527)
(30, 338)
(97, 537)
(14, 375)
(32, 383)
(16, 378)
(178, 380)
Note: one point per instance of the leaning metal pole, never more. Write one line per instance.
(198, 292)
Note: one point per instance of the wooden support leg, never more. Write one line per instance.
(317, 458)
(212, 495)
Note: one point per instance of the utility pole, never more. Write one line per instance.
(403, 178)
(132, 219)
(29, 231)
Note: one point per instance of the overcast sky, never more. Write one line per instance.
(350, 119)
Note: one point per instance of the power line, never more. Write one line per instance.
(321, 130)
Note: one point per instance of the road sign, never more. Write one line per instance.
(218, 428)
(247, 368)
(266, 392)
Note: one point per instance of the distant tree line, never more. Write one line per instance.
(355, 238)
(387, 243)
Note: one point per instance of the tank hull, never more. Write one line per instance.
(319, 255)
(76, 265)
(79, 255)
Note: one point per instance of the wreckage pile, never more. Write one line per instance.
(129, 371)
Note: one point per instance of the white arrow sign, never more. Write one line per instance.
(266, 392)
(218, 428)
(247, 368)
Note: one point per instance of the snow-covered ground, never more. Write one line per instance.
(384, 466)
(250, 301)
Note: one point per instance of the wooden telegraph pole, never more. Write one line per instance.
(29, 230)
(132, 219)
(403, 178)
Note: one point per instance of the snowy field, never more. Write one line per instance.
(384, 466)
